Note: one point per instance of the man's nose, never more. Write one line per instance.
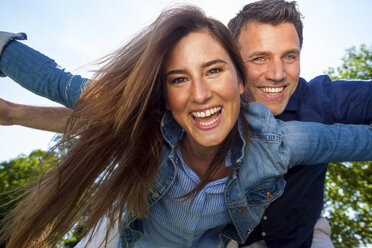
(276, 71)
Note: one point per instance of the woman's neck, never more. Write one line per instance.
(199, 157)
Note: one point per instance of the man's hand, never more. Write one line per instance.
(52, 119)
(5, 107)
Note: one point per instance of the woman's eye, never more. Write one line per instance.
(214, 71)
(178, 80)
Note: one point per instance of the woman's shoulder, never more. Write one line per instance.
(259, 118)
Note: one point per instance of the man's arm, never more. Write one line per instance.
(45, 118)
(38, 73)
(343, 101)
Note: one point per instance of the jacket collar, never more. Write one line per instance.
(172, 133)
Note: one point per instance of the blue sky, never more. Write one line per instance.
(75, 33)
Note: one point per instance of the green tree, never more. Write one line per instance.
(19, 171)
(356, 64)
(348, 190)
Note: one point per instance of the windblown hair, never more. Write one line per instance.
(113, 163)
(272, 12)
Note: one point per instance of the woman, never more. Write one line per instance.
(163, 136)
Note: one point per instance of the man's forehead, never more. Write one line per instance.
(268, 35)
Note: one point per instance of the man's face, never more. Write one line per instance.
(271, 56)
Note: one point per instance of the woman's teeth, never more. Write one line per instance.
(207, 117)
(206, 113)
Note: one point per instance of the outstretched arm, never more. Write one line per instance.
(315, 143)
(45, 118)
(38, 73)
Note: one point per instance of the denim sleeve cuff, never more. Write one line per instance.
(6, 37)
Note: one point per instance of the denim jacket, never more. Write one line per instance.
(259, 166)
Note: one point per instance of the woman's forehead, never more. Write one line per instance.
(195, 49)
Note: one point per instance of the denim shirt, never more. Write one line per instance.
(257, 178)
(259, 166)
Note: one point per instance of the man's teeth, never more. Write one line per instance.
(272, 90)
(206, 113)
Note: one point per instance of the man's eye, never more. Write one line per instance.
(258, 59)
(290, 57)
(214, 71)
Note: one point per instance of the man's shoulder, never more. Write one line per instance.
(325, 100)
(324, 83)
(307, 87)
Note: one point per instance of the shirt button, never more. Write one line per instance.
(241, 210)
(265, 217)
(269, 196)
(263, 234)
(250, 230)
(194, 217)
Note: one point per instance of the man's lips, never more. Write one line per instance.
(273, 92)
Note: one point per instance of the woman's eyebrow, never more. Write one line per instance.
(212, 62)
(209, 63)
(175, 72)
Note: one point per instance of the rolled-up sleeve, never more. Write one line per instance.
(40, 74)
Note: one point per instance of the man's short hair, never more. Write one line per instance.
(272, 12)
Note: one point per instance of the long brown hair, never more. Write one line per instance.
(113, 163)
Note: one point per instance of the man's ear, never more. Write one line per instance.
(241, 86)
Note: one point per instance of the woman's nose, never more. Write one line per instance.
(201, 91)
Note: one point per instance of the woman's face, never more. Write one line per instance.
(203, 89)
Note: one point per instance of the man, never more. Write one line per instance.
(269, 34)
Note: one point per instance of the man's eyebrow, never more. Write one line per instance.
(256, 53)
(294, 50)
(209, 63)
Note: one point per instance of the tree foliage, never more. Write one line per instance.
(348, 190)
(356, 64)
(18, 172)
(348, 197)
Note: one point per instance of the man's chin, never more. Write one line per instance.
(276, 109)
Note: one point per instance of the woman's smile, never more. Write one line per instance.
(208, 118)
